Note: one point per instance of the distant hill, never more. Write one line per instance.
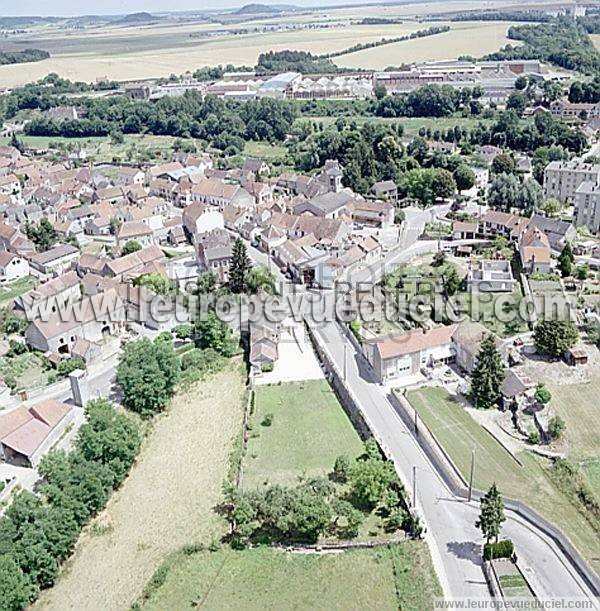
(257, 9)
(135, 18)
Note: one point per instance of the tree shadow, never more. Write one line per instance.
(466, 550)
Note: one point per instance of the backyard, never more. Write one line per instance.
(459, 434)
(309, 430)
(166, 502)
(13, 289)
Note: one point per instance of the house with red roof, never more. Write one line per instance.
(27, 433)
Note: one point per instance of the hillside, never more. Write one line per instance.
(257, 9)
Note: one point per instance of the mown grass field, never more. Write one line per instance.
(459, 434)
(166, 502)
(261, 578)
(308, 432)
(579, 406)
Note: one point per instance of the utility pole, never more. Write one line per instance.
(414, 492)
(471, 474)
(416, 422)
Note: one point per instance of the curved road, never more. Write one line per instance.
(453, 538)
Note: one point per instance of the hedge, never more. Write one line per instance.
(502, 549)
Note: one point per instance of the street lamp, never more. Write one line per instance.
(471, 474)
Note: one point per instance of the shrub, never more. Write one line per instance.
(341, 469)
(267, 420)
(556, 427)
(534, 437)
(501, 549)
(266, 367)
(16, 348)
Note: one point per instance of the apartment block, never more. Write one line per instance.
(563, 178)
(587, 206)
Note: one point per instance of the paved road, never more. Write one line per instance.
(453, 538)
(454, 541)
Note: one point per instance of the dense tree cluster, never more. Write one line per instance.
(37, 533)
(294, 61)
(23, 57)
(586, 92)
(564, 41)
(427, 101)
(147, 373)
(555, 337)
(223, 124)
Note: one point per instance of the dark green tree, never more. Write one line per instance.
(211, 332)
(42, 234)
(240, 266)
(555, 337)
(443, 184)
(491, 514)
(130, 247)
(566, 260)
(488, 375)
(147, 373)
(16, 590)
(503, 164)
(464, 177)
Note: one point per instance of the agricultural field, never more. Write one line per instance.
(465, 38)
(157, 50)
(459, 434)
(166, 502)
(400, 576)
(150, 52)
(309, 430)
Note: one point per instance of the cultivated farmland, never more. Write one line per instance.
(166, 502)
(465, 38)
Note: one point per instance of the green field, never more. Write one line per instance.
(308, 432)
(578, 405)
(262, 578)
(27, 369)
(458, 433)
(514, 586)
(411, 125)
(264, 150)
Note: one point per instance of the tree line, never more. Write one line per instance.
(23, 57)
(563, 41)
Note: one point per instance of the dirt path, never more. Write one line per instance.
(165, 503)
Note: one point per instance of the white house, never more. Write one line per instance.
(199, 218)
(12, 267)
